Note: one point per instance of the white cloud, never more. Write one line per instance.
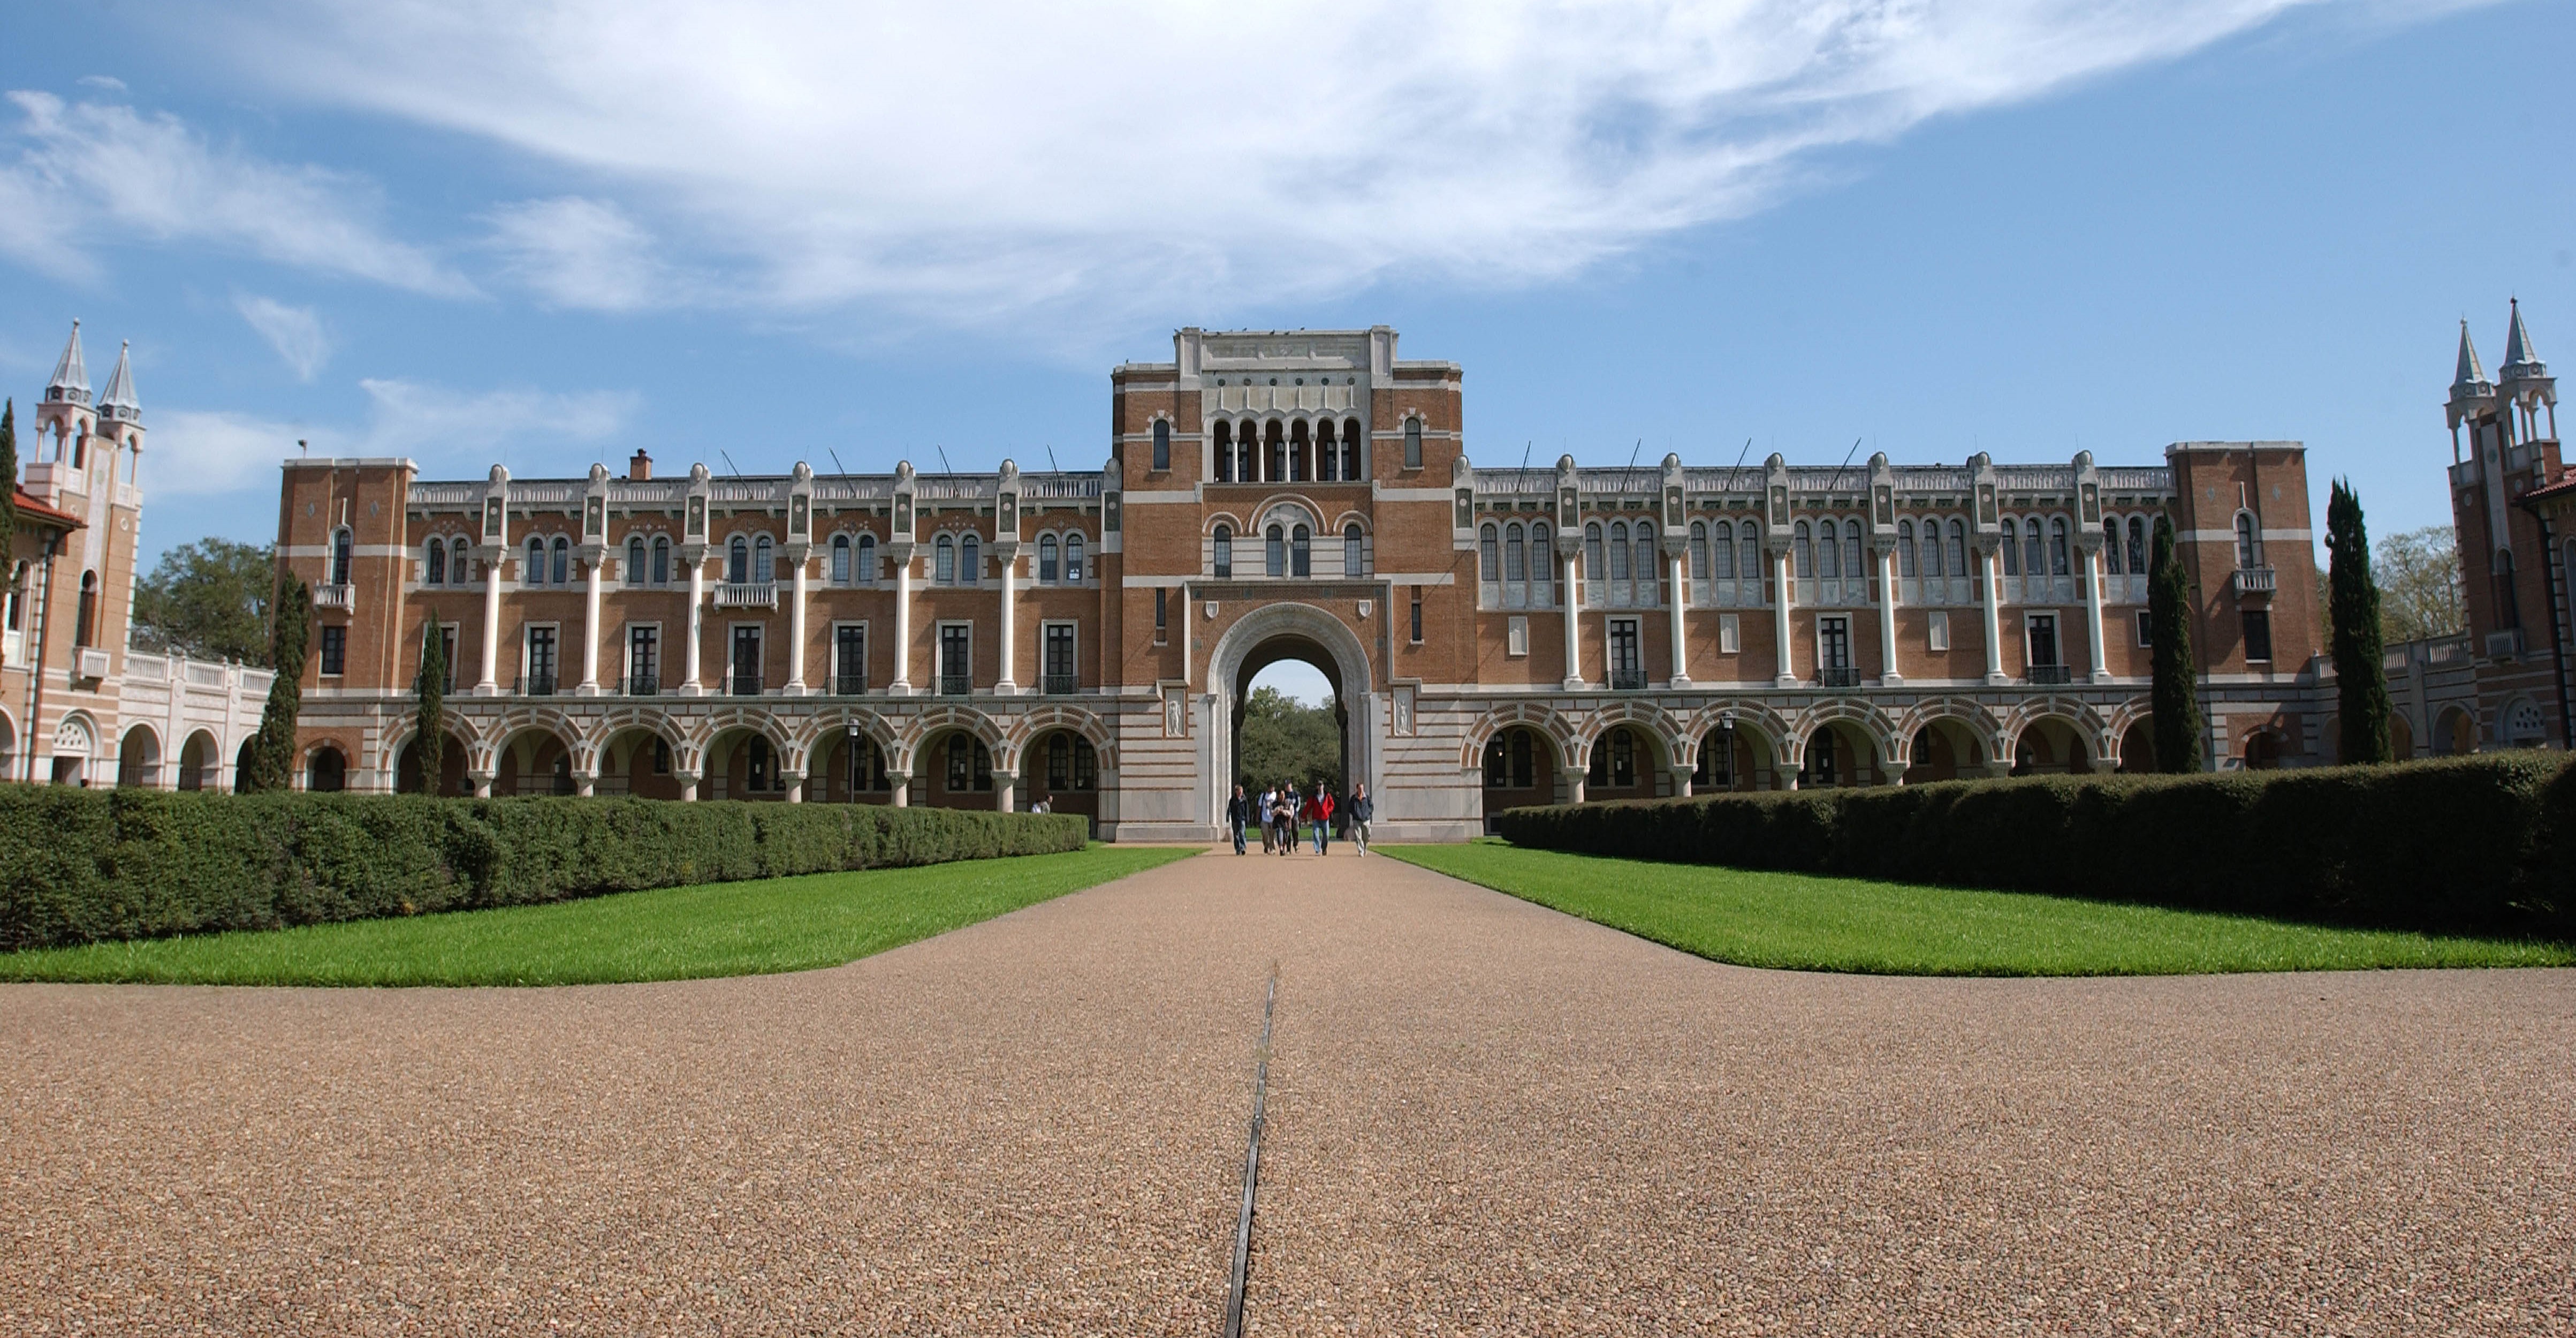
(198, 453)
(107, 81)
(90, 171)
(980, 160)
(295, 332)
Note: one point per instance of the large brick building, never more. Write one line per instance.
(1087, 637)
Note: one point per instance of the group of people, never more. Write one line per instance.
(1283, 810)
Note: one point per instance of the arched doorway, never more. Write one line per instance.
(1944, 749)
(745, 763)
(533, 762)
(1627, 762)
(2263, 751)
(1062, 770)
(638, 763)
(200, 762)
(1520, 770)
(1839, 755)
(451, 769)
(1302, 632)
(326, 771)
(954, 770)
(138, 760)
(2138, 748)
(1740, 758)
(852, 770)
(2049, 746)
(2455, 732)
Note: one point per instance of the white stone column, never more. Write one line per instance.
(795, 786)
(697, 625)
(2093, 614)
(1788, 654)
(490, 683)
(482, 783)
(1994, 615)
(1887, 671)
(585, 783)
(1681, 596)
(590, 634)
(902, 784)
(1006, 789)
(902, 684)
(1682, 782)
(1010, 564)
(1572, 585)
(797, 556)
(689, 788)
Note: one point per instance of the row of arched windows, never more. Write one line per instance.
(957, 559)
(751, 561)
(2124, 546)
(2028, 549)
(448, 561)
(854, 559)
(1277, 451)
(1936, 554)
(1060, 560)
(1621, 552)
(648, 566)
(1832, 551)
(1714, 551)
(1519, 560)
(1287, 550)
(542, 571)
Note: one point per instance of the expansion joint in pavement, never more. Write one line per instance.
(1251, 1164)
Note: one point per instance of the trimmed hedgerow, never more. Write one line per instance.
(81, 866)
(2481, 844)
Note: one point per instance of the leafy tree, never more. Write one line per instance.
(271, 764)
(208, 599)
(2419, 585)
(2175, 695)
(1286, 740)
(431, 738)
(2361, 678)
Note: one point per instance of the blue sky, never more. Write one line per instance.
(551, 233)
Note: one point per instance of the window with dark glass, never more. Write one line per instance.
(341, 550)
(1274, 551)
(746, 661)
(643, 659)
(563, 561)
(755, 764)
(436, 574)
(335, 650)
(2043, 640)
(1353, 551)
(85, 623)
(1417, 615)
(1224, 553)
(849, 659)
(1523, 753)
(1059, 657)
(541, 659)
(737, 561)
(1301, 562)
(1162, 443)
(956, 658)
(1050, 567)
(2258, 634)
(661, 561)
(1627, 663)
(1413, 443)
(1162, 616)
(1833, 643)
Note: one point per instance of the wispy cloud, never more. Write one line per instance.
(984, 160)
(295, 332)
(199, 453)
(95, 172)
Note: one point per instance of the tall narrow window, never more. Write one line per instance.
(1542, 564)
(634, 572)
(1592, 551)
(1274, 551)
(840, 559)
(534, 573)
(1301, 562)
(1852, 567)
(2012, 547)
(1247, 455)
(738, 561)
(335, 650)
(1162, 611)
(956, 659)
(1049, 570)
(850, 659)
(643, 660)
(435, 573)
(2043, 640)
(563, 561)
(1351, 449)
(1223, 450)
(1277, 461)
(1417, 615)
(943, 560)
(2258, 634)
(661, 561)
(1802, 549)
(1299, 452)
(2111, 546)
(1722, 550)
(2034, 554)
(2249, 541)
(746, 661)
(1059, 658)
(1515, 554)
(1618, 550)
(2137, 546)
(342, 547)
(1328, 464)
(1829, 555)
(764, 565)
(1699, 550)
(1413, 443)
(1489, 549)
(1958, 548)
(970, 560)
(1073, 559)
(2058, 558)
(1224, 552)
(1162, 443)
(1749, 562)
(1353, 552)
(1650, 570)
(1905, 562)
(865, 560)
(541, 661)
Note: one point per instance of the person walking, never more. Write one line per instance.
(1323, 820)
(1236, 810)
(1286, 818)
(1361, 810)
(1261, 815)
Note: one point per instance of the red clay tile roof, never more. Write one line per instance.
(30, 508)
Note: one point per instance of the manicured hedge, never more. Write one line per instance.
(79, 866)
(2482, 844)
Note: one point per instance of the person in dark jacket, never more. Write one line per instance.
(1361, 809)
(1238, 810)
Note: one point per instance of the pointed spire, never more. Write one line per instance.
(2520, 363)
(2470, 381)
(118, 404)
(71, 375)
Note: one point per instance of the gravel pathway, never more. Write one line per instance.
(1484, 1118)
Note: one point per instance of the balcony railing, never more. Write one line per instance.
(956, 685)
(1060, 685)
(747, 595)
(740, 684)
(536, 685)
(1627, 680)
(2504, 645)
(1837, 676)
(93, 663)
(645, 685)
(2254, 581)
(341, 597)
(2049, 675)
(849, 685)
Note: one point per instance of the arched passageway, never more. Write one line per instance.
(1062, 770)
(745, 763)
(1301, 632)
(138, 760)
(2050, 747)
(533, 762)
(1732, 760)
(1520, 770)
(452, 782)
(852, 770)
(200, 762)
(640, 764)
(1840, 756)
(955, 770)
(1945, 750)
(1627, 762)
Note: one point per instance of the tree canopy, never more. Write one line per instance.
(1284, 739)
(208, 599)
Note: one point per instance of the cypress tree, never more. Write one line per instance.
(272, 761)
(430, 741)
(2361, 677)
(2175, 696)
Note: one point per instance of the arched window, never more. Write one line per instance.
(1328, 461)
(2059, 560)
(434, 572)
(2111, 546)
(764, 566)
(534, 571)
(1699, 550)
(563, 561)
(1299, 453)
(2034, 560)
(1749, 567)
(943, 560)
(1353, 552)
(1274, 551)
(1852, 566)
(1351, 449)
(661, 560)
(1275, 459)
(1489, 551)
(1300, 555)
(2249, 541)
(329, 773)
(1225, 552)
(85, 627)
(1247, 454)
(1162, 443)
(1592, 551)
(1905, 568)
(1829, 556)
(1047, 559)
(1958, 548)
(1515, 553)
(634, 572)
(1802, 550)
(1413, 443)
(1650, 572)
(1618, 550)
(2137, 546)
(1073, 559)
(2012, 547)
(1223, 450)
(341, 550)
(738, 561)
(1932, 567)
(1542, 542)
(1721, 550)
(840, 559)
(970, 559)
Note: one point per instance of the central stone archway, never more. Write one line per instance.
(1290, 631)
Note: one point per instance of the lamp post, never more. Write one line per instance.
(1726, 742)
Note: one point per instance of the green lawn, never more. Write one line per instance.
(679, 933)
(1805, 923)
